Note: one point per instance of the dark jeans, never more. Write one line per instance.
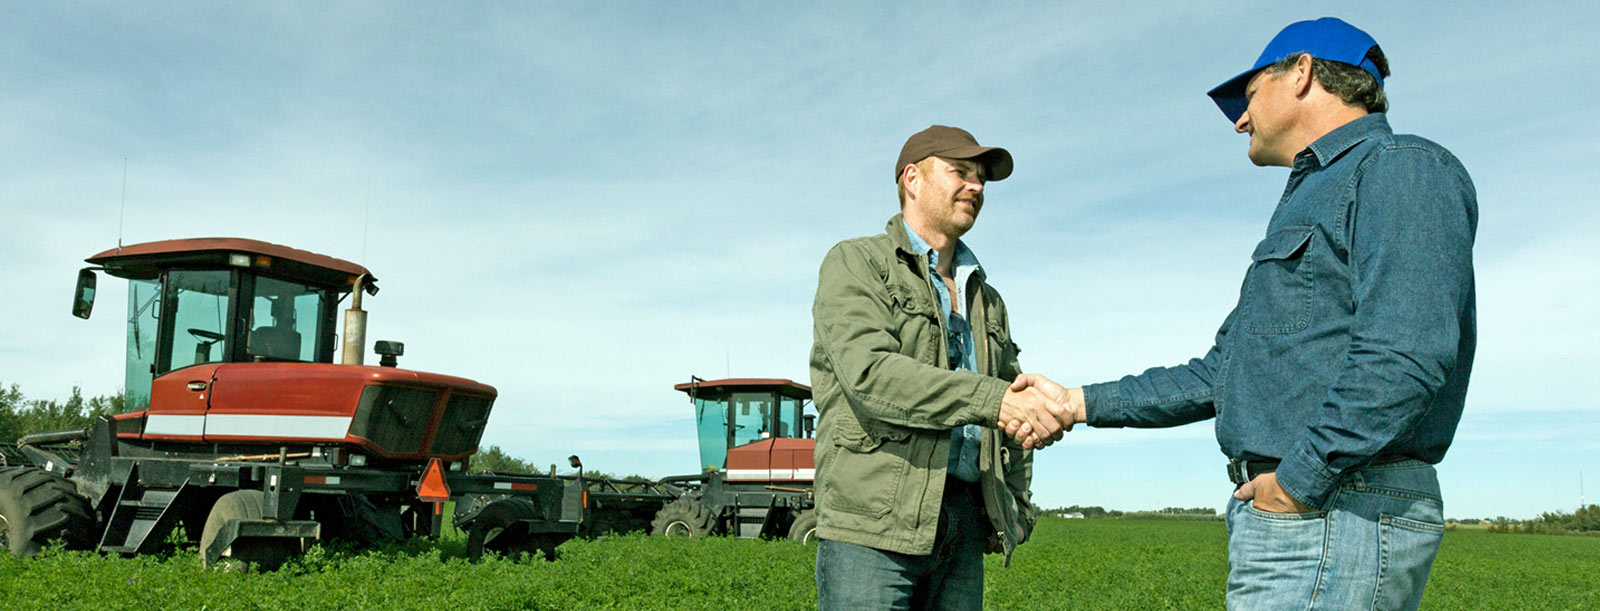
(851, 576)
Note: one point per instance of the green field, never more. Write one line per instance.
(1071, 564)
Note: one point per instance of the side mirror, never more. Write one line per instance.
(83, 296)
(810, 424)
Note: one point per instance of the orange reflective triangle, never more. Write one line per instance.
(432, 487)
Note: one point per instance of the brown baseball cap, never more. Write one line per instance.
(953, 143)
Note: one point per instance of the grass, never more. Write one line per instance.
(1071, 564)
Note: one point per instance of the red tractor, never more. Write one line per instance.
(756, 456)
(243, 431)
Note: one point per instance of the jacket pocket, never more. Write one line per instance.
(1279, 287)
(864, 477)
(1002, 350)
(916, 317)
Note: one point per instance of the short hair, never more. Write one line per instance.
(1352, 84)
(924, 166)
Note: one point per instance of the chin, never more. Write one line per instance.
(1258, 157)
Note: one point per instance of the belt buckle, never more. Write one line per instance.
(1238, 471)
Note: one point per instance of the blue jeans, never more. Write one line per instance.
(1370, 548)
(851, 576)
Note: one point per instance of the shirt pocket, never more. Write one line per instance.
(1278, 290)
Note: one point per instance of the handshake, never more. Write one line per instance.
(1036, 411)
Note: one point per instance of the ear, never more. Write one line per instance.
(911, 177)
(1302, 75)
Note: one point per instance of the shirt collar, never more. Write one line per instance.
(1347, 136)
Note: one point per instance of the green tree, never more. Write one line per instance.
(10, 418)
(20, 416)
(493, 458)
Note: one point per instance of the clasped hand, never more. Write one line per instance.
(1036, 411)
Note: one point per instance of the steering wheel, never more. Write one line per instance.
(202, 334)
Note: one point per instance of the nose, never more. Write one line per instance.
(1243, 124)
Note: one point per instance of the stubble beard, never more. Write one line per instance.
(957, 223)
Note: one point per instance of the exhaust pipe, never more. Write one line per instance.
(355, 326)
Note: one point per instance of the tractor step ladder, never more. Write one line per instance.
(751, 520)
(142, 517)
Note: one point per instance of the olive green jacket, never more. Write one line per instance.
(887, 400)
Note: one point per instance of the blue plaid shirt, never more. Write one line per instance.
(964, 440)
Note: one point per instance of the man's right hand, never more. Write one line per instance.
(1038, 414)
(1071, 399)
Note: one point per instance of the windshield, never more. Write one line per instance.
(752, 417)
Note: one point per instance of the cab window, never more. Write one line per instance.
(144, 306)
(285, 321)
(199, 315)
(752, 417)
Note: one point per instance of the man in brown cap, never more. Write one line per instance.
(910, 370)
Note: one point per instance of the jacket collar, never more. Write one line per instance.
(1345, 137)
(897, 233)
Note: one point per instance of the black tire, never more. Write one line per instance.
(261, 553)
(37, 506)
(804, 529)
(500, 528)
(685, 517)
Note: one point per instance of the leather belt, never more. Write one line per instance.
(1241, 471)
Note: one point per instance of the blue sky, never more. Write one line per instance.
(585, 203)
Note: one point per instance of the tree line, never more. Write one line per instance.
(20, 416)
(1167, 513)
(1584, 521)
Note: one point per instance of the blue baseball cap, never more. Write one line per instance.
(1326, 38)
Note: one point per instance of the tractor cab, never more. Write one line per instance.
(222, 300)
(232, 341)
(753, 428)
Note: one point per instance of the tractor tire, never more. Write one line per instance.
(37, 506)
(265, 554)
(804, 529)
(499, 528)
(685, 517)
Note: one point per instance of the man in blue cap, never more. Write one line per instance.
(1339, 378)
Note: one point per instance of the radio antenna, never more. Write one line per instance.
(122, 213)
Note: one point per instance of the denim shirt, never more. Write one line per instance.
(1354, 333)
(964, 440)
